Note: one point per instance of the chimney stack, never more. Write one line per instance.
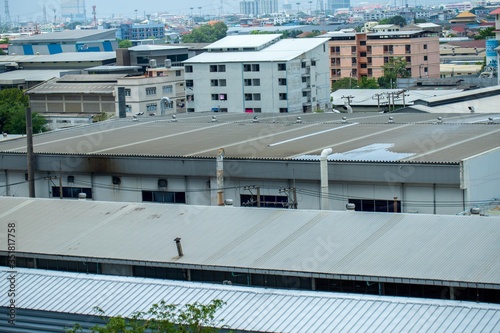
(179, 246)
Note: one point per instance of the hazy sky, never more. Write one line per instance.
(33, 9)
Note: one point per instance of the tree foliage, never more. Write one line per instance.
(393, 69)
(398, 20)
(124, 44)
(344, 83)
(162, 318)
(484, 33)
(13, 104)
(207, 33)
(367, 83)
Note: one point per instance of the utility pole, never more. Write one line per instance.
(253, 187)
(348, 98)
(291, 193)
(30, 154)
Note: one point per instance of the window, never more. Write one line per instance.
(283, 110)
(313, 62)
(363, 65)
(371, 205)
(247, 82)
(128, 108)
(71, 192)
(304, 79)
(189, 83)
(188, 68)
(215, 97)
(151, 91)
(408, 60)
(282, 67)
(353, 60)
(190, 98)
(217, 68)
(408, 48)
(370, 72)
(425, 58)
(151, 107)
(248, 97)
(214, 83)
(303, 65)
(353, 49)
(362, 42)
(251, 68)
(256, 97)
(127, 92)
(178, 73)
(167, 89)
(223, 97)
(258, 110)
(269, 201)
(362, 54)
(304, 94)
(282, 82)
(369, 49)
(282, 97)
(335, 49)
(256, 82)
(222, 82)
(425, 46)
(164, 197)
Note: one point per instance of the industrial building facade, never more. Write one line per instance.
(420, 167)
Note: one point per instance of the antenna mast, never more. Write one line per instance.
(8, 21)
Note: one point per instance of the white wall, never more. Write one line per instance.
(480, 177)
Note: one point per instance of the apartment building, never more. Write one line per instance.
(160, 91)
(364, 54)
(259, 73)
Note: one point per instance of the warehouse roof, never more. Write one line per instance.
(79, 84)
(250, 309)
(404, 248)
(68, 35)
(27, 75)
(60, 57)
(280, 136)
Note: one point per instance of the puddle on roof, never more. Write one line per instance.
(373, 152)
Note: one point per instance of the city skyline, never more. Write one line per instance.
(26, 10)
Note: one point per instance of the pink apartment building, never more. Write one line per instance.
(363, 54)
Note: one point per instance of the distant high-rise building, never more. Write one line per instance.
(333, 5)
(73, 10)
(258, 7)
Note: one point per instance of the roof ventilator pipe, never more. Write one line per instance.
(324, 177)
(220, 177)
(179, 246)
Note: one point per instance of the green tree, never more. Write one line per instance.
(393, 69)
(367, 83)
(13, 104)
(484, 33)
(162, 318)
(398, 20)
(207, 33)
(344, 83)
(124, 44)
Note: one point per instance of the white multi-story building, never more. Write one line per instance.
(159, 92)
(259, 73)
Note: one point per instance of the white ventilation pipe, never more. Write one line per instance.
(324, 177)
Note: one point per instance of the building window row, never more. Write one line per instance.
(164, 197)
(218, 83)
(252, 97)
(251, 67)
(251, 82)
(217, 68)
(151, 91)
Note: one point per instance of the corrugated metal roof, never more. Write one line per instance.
(79, 83)
(60, 57)
(244, 41)
(71, 35)
(250, 309)
(277, 136)
(374, 245)
(30, 75)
